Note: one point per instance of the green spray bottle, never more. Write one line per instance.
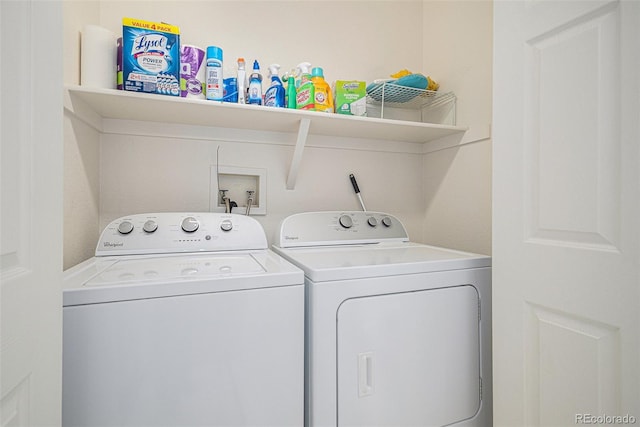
(305, 95)
(291, 92)
(289, 82)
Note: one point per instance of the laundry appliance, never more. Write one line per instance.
(397, 333)
(183, 319)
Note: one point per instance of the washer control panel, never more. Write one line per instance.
(175, 232)
(339, 228)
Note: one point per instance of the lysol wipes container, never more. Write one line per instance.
(215, 87)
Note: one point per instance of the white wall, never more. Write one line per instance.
(458, 40)
(358, 39)
(81, 148)
(372, 39)
(176, 178)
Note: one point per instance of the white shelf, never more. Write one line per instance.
(117, 104)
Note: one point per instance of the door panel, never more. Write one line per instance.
(31, 212)
(571, 132)
(409, 359)
(566, 214)
(575, 361)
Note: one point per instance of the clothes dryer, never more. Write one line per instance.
(183, 319)
(398, 333)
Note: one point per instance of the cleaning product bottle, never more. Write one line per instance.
(302, 73)
(242, 82)
(305, 90)
(274, 95)
(291, 92)
(285, 83)
(255, 85)
(322, 91)
(215, 89)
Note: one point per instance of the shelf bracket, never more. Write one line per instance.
(303, 132)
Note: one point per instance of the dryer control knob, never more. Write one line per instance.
(346, 221)
(125, 227)
(386, 221)
(190, 224)
(372, 221)
(226, 225)
(150, 226)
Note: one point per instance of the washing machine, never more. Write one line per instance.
(397, 333)
(183, 319)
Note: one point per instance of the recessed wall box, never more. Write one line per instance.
(237, 181)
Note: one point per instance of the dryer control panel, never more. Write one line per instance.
(339, 228)
(175, 232)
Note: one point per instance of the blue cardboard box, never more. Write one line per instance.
(150, 57)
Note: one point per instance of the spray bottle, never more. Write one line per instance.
(305, 96)
(255, 85)
(290, 94)
(288, 80)
(274, 95)
(302, 73)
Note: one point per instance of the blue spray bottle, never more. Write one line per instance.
(274, 96)
(255, 85)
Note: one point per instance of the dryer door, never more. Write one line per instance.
(410, 358)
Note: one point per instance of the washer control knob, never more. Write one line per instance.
(346, 221)
(386, 221)
(226, 225)
(150, 226)
(125, 227)
(372, 221)
(190, 224)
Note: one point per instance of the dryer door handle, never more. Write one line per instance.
(365, 374)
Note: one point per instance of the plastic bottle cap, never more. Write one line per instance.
(317, 72)
(214, 52)
(256, 66)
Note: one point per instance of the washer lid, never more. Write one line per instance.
(176, 268)
(322, 264)
(120, 278)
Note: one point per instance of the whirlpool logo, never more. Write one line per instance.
(113, 245)
(291, 237)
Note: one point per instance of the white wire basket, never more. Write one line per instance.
(432, 106)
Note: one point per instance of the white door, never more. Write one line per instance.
(566, 212)
(31, 212)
